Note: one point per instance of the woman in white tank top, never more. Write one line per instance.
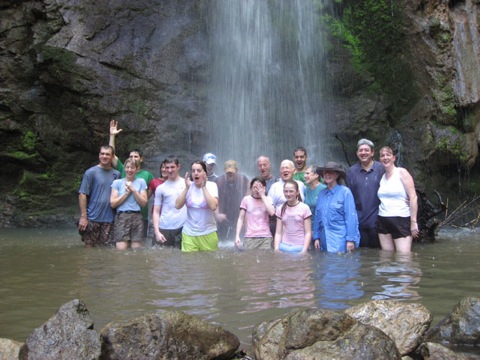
(397, 215)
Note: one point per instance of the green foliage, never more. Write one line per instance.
(373, 31)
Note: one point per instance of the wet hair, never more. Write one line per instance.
(199, 162)
(138, 151)
(299, 196)
(300, 148)
(133, 161)
(171, 159)
(259, 179)
(108, 147)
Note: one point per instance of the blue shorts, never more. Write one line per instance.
(290, 248)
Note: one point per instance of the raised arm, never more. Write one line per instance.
(113, 133)
(182, 198)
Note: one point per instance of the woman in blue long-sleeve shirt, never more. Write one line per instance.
(336, 222)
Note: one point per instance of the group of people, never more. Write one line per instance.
(306, 207)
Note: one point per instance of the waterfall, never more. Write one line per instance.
(267, 89)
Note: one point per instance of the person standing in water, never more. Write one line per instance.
(300, 159)
(336, 222)
(128, 196)
(397, 214)
(201, 198)
(96, 215)
(294, 227)
(363, 179)
(255, 212)
(314, 186)
(167, 220)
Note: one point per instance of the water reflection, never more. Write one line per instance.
(41, 270)
(399, 275)
(337, 280)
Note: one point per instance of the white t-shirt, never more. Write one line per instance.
(165, 195)
(200, 218)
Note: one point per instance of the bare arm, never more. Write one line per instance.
(182, 198)
(278, 234)
(409, 186)
(241, 219)
(140, 196)
(116, 200)
(113, 133)
(82, 204)
(308, 234)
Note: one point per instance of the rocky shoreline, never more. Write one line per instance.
(380, 329)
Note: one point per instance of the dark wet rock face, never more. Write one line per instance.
(69, 66)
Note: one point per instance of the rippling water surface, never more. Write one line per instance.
(43, 269)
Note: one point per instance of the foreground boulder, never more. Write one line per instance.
(67, 335)
(434, 351)
(166, 335)
(9, 349)
(461, 327)
(404, 323)
(321, 334)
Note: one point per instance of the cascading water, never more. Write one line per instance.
(267, 90)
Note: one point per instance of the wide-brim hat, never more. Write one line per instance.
(333, 166)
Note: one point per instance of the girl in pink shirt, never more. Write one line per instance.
(254, 213)
(294, 223)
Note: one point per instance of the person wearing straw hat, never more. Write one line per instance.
(336, 221)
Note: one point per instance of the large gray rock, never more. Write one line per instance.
(67, 335)
(434, 351)
(166, 335)
(405, 323)
(461, 326)
(9, 349)
(321, 334)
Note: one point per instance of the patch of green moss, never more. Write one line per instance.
(21, 155)
(29, 142)
(451, 141)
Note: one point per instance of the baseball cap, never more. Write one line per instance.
(209, 158)
(231, 166)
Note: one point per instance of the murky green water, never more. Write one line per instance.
(43, 269)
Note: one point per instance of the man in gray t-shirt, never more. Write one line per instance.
(96, 214)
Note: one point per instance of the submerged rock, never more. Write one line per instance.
(461, 327)
(67, 335)
(167, 335)
(321, 334)
(405, 323)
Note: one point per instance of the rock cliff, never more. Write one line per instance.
(68, 66)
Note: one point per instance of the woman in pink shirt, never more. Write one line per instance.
(254, 213)
(294, 222)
